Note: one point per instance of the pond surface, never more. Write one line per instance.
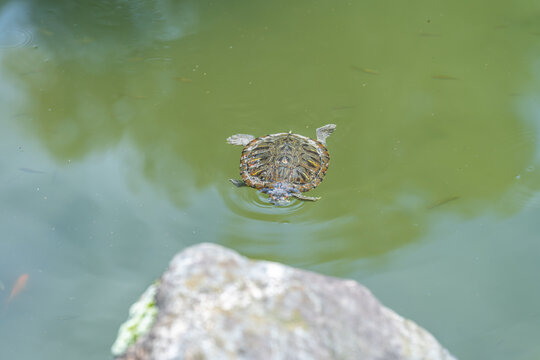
(114, 116)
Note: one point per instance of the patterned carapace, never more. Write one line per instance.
(283, 165)
(290, 158)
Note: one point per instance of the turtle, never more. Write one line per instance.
(283, 165)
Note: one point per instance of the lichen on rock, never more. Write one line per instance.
(142, 315)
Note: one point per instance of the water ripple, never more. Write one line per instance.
(16, 38)
(256, 205)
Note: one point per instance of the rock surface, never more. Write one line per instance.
(215, 304)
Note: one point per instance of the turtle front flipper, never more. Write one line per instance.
(238, 183)
(306, 198)
(240, 139)
(325, 131)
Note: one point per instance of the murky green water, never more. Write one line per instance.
(114, 117)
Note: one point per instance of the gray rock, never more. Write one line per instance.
(215, 304)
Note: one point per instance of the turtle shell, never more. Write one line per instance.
(287, 158)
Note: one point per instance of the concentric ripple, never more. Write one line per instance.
(253, 204)
(16, 38)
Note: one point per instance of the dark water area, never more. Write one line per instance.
(113, 157)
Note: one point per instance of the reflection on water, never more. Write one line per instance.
(124, 108)
(422, 145)
(15, 28)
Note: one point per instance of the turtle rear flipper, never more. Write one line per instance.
(324, 132)
(306, 198)
(240, 139)
(238, 183)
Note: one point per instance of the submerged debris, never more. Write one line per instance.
(19, 286)
(31, 171)
(366, 70)
(442, 202)
(183, 79)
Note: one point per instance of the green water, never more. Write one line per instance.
(114, 116)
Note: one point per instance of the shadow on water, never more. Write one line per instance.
(176, 80)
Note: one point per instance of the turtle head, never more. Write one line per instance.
(280, 199)
(279, 194)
